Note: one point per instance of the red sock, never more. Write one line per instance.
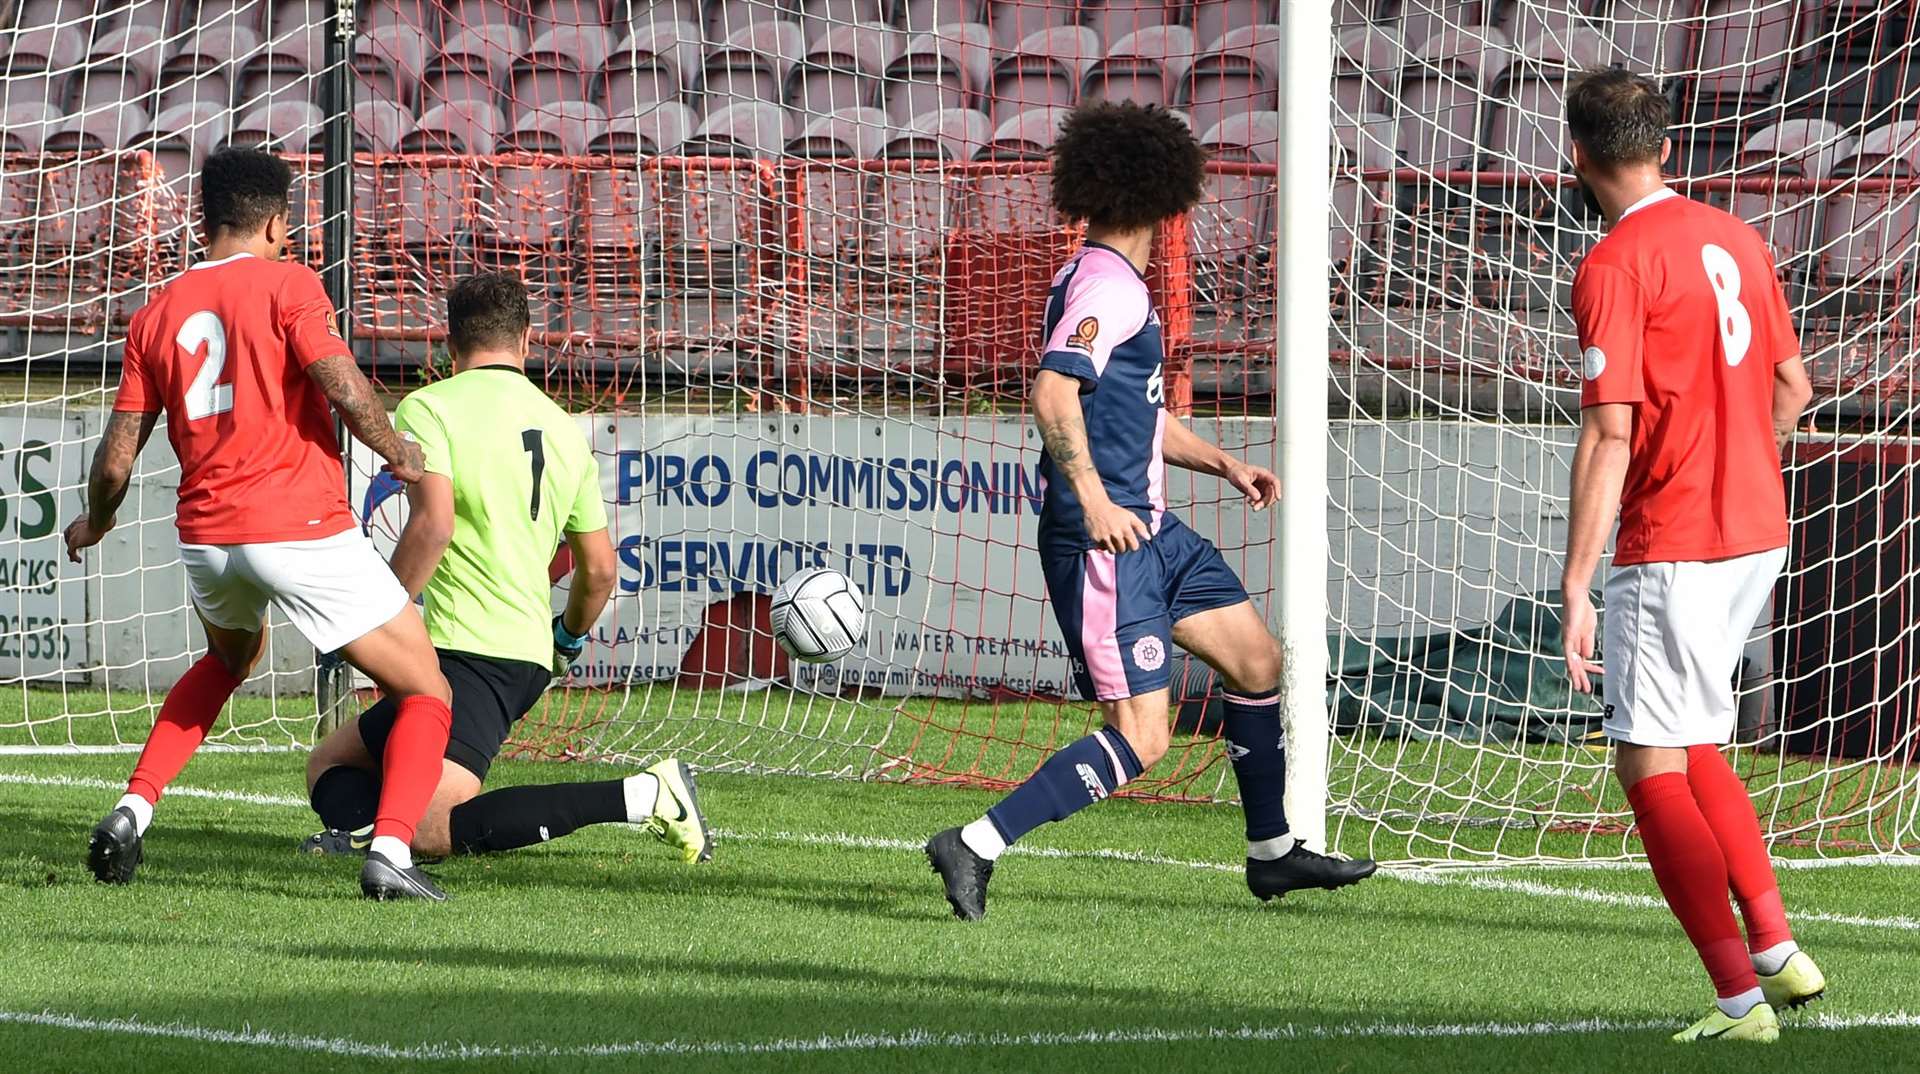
(1729, 812)
(410, 768)
(189, 710)
(1692, 875)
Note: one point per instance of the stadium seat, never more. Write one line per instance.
(1653, 36)
(1441, 96)
(745, 128)
(107, 127)
(122, 66)
(1793, 149)
(1745, 47)
(651, 65)
(1232, 229)
(1014, 22)
(725, 19)
(472, 66)
(1351, 14)
(1045, 71)
(24, 127)
(1872, 238)
(1554, 19)
(1527, 128)
(949, 69)
(280, 71)
(464, 126)
(297, 17)
(818, 18)
(953, 134)
(1115, 20)
(752, 65)
(1212, 19)
(1420, 20)
(442, 199)
(289, 127)
(182, 136)
(715, 217)
(1366, 70)
(203, 67)
(40, 65)
(928, 16)
(653, 131)
(162, 16)
(558, 66)
(389, 63)
(851, 133)
(843, 69)
(545, 16)
(831, 196)
(420, 16)
(633, 16)
(1026, 136)
(214, 17)
(378, 126)
(1239, 73)
(533, 204)
(1147, 67)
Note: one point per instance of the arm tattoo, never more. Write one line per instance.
(1065, 438)
(126, 433)
(340, 379)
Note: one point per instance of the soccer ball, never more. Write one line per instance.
(818, 615)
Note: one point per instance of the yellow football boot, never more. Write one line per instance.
(1758, 1025)
(1798, 983)
(677, 820)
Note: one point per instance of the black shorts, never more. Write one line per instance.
(489, 694)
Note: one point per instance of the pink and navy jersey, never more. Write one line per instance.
(1102, 329)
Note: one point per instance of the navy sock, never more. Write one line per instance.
(522, 816)
(346, 797)
(1258, 747)
(1077, 776)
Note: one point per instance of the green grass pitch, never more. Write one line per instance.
(818, 940)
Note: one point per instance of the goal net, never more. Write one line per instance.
(788, 260)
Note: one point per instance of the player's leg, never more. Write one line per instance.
(343, 783)
(1113, 612)
(1216, 622)
(1660, 700)
(341, 595)
(229, 610)
(1788, 976)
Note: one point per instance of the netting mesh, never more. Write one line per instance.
(788, 261)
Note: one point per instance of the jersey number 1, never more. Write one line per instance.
(530, 439)
(1736, 327)
(205, 395)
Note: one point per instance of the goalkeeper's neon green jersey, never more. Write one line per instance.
(523, 476)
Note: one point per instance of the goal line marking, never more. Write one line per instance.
(1476, 879)
(865, 1042)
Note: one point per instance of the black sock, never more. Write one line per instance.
(346, 797)
(522, 816)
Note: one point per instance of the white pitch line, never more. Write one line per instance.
(913, 1039)
(1476, 879)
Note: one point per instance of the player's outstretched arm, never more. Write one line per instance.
(107, 481)
(1791, 393)
(1063, 429)
(594, 574)
(1184, 448)
(352, 397)
(429, 529)
(1599, 473)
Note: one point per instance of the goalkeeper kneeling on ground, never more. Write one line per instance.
(508, 476)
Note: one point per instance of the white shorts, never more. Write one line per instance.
(1671, 644)
(334, 590)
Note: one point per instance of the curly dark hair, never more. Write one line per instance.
(241, 188)
(486, 311)
(1122, 166)
(1617, 117)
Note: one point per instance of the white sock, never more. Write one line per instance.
(1738, 1006)
(1270, 849)
(983, 839)
(141, 809)
(643, 795)
(1774, 959)
(393, 850)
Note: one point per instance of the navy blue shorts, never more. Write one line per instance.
(1117, 612)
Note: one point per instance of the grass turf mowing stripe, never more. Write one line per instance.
(1475, 879)
(864, 1042)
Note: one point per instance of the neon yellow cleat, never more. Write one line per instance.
(1758, 1025)
(1798, 983)
(677, 820)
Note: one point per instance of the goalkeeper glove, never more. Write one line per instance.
(567, 646)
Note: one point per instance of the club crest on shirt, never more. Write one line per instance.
(1084, 334)
(1593, 362)
(333, 329)
(1148, 653)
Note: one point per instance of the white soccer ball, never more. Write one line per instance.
(818, 615)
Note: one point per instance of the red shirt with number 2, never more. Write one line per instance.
(1680, 314)
(223, 349)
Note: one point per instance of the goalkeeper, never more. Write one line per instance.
(508, 474)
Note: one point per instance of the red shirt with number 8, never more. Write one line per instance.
(223, 349)
(1681, 315)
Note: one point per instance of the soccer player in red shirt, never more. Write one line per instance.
(242, 354)
(1693, 385)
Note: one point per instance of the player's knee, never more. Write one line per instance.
(433, 839)
(1149, 739)
(1260, 671)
